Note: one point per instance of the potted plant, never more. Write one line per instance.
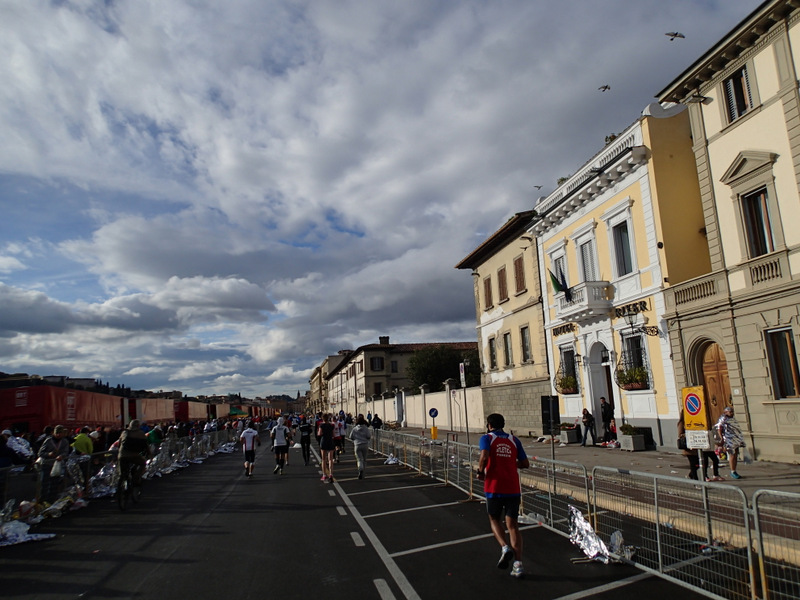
(568, 384)
(633, 378)
(570, 433)
(630, 438)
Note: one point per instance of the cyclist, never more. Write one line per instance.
(133, 450)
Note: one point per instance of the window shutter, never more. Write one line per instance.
(746, 79)
(487, 292)
(502, 284)
(519, 274)
(731, 96)
(587, 258)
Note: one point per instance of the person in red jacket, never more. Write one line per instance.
(501, 455)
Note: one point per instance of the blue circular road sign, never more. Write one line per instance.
(433, 413)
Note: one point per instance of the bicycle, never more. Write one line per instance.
(128, 491)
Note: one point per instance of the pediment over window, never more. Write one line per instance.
(749, 162)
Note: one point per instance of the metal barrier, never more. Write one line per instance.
(695, 534)
(778, 535)
(550, 487)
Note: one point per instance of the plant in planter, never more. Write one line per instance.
(570, 433)
(568, 385)
(634, 378)
(631, 438)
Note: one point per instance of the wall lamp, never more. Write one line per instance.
(630, 319)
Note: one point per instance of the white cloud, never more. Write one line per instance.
(201, 213)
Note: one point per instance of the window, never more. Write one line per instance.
(525, 338)
(492, 353)
(634, 351)
(758, 231)
(738, 97)
(377, 388)
(783, 363)
(588, 268)
(487, 293)
(622, 248)
(560, 270)
(376, 363)
(568, 362)
(507, 356)
(519, 274)
(502, 284)
(394, 366)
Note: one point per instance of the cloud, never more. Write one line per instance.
(180, 210)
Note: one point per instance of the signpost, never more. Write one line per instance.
(434, 430)
(695, 420)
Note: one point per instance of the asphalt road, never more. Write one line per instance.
(208, 532)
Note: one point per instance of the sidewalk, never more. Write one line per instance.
(755, 476)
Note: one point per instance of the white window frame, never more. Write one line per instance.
(617, 214)
(586, 235)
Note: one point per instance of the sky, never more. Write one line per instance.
(212, 197)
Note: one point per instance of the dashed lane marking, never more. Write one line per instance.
(383, 589)
(357, 539)
(342, 511)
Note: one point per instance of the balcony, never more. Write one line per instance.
(698, 293)
(588, 300)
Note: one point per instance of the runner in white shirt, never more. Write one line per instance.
(249, 439)
(281, 436)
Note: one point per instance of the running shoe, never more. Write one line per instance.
(506, 556)
(517, 570)
(735, 475)
(324, 478)
(277, 468)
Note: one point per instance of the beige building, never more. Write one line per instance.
(610, 239)
(735, 329)
(508, 306)
(318, 397)
(373, 371)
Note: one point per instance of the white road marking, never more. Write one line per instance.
(453, 542)
(342, 511)
(398, 489)
(383, 589)
(604, 588)
(399, 577)
(404, 510)
(331, 493)
(357, 539)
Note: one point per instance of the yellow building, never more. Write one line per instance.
(736, 329)
(508, 306)
(610, 239)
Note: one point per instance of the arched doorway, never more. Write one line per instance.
(716, 382)
(600, 364)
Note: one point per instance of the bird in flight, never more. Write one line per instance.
(675, 34)
(538, 187)
(604, 88)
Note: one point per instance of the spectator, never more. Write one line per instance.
(607, 415)
(376, 422)
(83, 443)
(588, 426)
(731, 438)
(54, 449)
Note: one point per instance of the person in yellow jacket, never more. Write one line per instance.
(83, 444)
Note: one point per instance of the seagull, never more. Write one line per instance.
(604, 88)
(675, 34)
(538, 187)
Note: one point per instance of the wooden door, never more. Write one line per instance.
(715, 379)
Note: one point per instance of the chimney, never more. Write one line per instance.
(383, 340)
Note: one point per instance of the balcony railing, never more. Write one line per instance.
(697, 293)
(587, 299)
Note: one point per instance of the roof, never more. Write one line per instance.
(401, 349)
(511, 230)
(747, 31)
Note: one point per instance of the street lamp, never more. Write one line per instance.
(630, 319)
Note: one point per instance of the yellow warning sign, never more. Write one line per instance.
(695, 415)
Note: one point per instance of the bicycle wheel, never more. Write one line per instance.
(123, 492)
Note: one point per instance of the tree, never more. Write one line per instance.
(434, 364)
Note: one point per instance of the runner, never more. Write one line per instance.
(339, 431)
(249, 438)
(305, 438)
(281, 437)
(325, 433)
